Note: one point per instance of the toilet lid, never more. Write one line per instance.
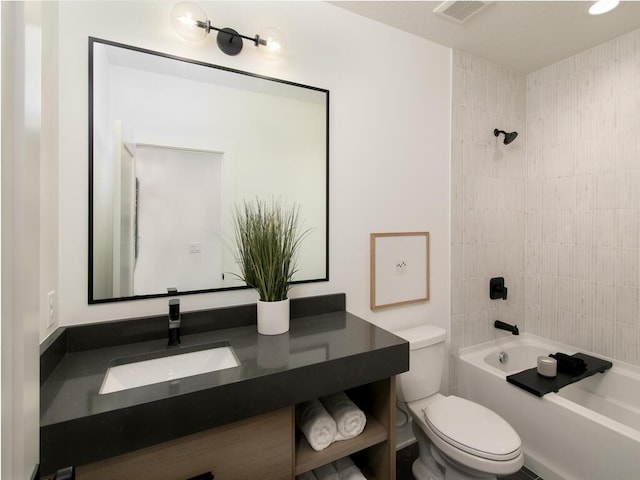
(473, 428)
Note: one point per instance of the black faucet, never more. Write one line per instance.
(174, 322)
(505, 326)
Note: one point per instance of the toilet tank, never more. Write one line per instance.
(426, 361)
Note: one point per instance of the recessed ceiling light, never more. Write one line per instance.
(603, 6)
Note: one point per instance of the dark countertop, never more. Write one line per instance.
(320, 354)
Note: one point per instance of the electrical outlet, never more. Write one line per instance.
(51, 307)
(195, 247)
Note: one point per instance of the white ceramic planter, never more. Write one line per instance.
(273, 317)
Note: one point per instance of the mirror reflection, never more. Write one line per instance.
(174, 146)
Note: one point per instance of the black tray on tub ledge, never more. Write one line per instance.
(531, 381)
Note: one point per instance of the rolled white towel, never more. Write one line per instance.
(306, 476)
(352, 473)
(350, 420)
(326, 472)
(347, 470)
(343, 463)
(317, 425)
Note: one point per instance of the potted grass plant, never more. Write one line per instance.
(267, 240)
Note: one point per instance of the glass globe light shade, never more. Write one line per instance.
(276, 46)
(603, 6)
(185, 17)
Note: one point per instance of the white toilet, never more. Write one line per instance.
(457, 439)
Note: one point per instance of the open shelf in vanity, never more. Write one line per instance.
(374, 449)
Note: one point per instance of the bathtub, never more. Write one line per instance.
(589, 430)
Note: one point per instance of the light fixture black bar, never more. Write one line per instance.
(208, 27)
(257, 40)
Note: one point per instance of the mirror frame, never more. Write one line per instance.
(94, 40)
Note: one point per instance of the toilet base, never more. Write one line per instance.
(428, 470)
(431, 464)
(404, 428)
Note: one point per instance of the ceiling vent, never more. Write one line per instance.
(460, 11)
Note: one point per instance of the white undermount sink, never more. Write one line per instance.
(156, 370)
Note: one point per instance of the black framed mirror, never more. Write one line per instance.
(174, 145)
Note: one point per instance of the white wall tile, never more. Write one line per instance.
(585, 192)
(605, 303)
(626, 343)
(585, 227)
(548, 322)
(550, 222)
(566, 227)
(459, 91)
(532, 259)
(566, 192)
(627, 305)
(489, 194)
(626, 273)
(605, 228)
(585, 297)
(457, 263)
(626, 188)
(456, 157)
(532, 318)
(582, 333)
(604, 338)
(562, 203)
(605, 265)
(606, 197)
(457, 297)
(566, 294)
(457, 224)
(585, 263)
(567, 261)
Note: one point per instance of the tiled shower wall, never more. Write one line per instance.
(557, 212)
(489, 200)
(583, 200)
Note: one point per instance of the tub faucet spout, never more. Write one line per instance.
(505, 326)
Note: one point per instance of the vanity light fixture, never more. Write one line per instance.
(603, 6)
(191, 23)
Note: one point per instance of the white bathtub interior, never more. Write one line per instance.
(516, 360)
(590, 430)
(610, 395)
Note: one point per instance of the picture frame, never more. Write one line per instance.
(399, 268)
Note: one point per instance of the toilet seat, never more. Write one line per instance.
(472, 428)
(472, 450)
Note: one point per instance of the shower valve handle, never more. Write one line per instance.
(497, 288)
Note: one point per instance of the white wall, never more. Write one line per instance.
(389, 139)
(29, 243)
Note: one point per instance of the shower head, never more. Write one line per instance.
(508, 137)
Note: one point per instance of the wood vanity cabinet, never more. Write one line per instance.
(257, 447)
(265, 447)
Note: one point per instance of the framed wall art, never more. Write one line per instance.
(399, 268)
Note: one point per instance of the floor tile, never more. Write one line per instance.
(404, 460)
(406, 456)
